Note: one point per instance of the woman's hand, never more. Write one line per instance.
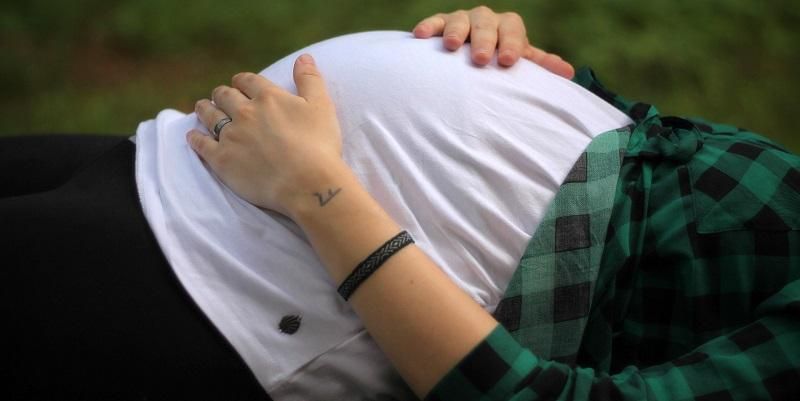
(280, 148)
(283, 152)
(488, 30)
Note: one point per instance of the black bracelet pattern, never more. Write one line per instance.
(372, 263)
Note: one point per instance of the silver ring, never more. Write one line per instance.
(220, 125)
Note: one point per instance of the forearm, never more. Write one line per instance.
(423, 322)
(754, 362)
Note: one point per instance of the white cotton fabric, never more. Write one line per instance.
(465, 158)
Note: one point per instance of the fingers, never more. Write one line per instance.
(205, 146)
(308, 79)
(513, 38)
(456, 29)
(209, 114)
(431, 26)
(556, 65)
(483, 34)
(252, 85)
(228, 99)
(534, 54)
(483, 28)
(550, 62)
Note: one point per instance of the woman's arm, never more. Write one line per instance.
(422, 321)
(283, 152)
(756, 362)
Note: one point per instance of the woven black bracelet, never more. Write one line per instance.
(372, 263)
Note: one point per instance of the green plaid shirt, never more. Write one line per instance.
(667, 268)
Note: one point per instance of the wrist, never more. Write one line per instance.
(314, 193)
(345, 226)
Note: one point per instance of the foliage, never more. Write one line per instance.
(103, 66)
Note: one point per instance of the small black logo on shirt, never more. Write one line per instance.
(290, 324)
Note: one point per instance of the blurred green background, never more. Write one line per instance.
(103, 66)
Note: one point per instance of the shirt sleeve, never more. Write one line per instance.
(758, 361)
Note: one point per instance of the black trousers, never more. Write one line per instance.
(91, 309)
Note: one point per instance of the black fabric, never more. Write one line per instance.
(91, 308)
(483, 367)
(508, 312)
(43, 162)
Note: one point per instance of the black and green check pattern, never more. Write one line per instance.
(685, 286)
(546, 305)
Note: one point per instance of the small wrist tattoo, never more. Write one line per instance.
(324, 199)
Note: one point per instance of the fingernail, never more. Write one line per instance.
(482, 56)
(306, 59)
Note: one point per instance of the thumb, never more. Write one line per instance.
(308, 79)
(206, 147)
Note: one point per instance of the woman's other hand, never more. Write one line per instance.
(487, 31)
(280, 148)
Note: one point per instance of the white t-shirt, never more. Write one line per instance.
(465, 158)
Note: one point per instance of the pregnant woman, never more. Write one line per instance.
(348, 238)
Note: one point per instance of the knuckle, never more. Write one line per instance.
(511, 16)
(516, 27)
(483, 25)
(482, 9)
(459, 28)
(460, 14)
(275, 90)
(513, 35)
(311, 72)
(247, 77)
(204, 107)
(199, 144)
(217, 92)
(246, 112)
(270, 92)
(239, 79)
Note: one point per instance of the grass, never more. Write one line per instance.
(100, 66)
